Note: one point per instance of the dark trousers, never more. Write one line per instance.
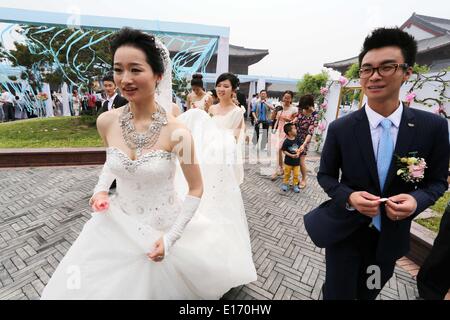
(8, 110)
(265, 137)
(30, 114)
(433, 280)
(347, 267)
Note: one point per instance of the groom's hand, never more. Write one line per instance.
(365, 203)
(401, 206)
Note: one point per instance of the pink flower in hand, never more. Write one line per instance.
(343, 81)
(410, 97)
(100, 205)
(323, 91)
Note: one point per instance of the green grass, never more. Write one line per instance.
(441, 204)
(430, 223)
(434, 222)
(58, 132)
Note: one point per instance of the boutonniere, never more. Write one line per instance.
(411, 169)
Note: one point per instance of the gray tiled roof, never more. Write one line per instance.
(433, 43)
(438, 25)
(184, 43)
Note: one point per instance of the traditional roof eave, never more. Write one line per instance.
(424, 46)
(242, 51)
(432, 44)
(428, 24)
(341, 63)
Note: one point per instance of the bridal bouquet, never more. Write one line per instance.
(411, 169)
(42, 96)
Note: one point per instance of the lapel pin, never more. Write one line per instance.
(411, 125)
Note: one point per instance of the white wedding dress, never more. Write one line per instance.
(108, 260)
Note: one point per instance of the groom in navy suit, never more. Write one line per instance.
(365, 226)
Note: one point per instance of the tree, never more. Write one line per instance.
(311, 84)
(21, 56)
(353, 71)
(421, 69)
(3, 53)
(54, 78)
(179, 86)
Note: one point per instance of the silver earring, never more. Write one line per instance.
(157, 89)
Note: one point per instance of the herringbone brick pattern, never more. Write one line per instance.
(42, 211)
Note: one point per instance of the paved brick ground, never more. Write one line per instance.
(42, 210)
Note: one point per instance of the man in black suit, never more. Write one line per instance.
(433, 280)
(365, 226)
(113, 99)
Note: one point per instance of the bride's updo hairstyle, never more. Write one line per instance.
(140, 40)
(228, 76)
(197, 80)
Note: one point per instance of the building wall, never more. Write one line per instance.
(237, 65)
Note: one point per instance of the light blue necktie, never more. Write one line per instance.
(384, 158)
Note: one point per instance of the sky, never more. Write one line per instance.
(300, 35)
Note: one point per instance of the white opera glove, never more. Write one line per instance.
(190, 205)
(105, 180)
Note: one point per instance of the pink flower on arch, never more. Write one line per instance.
(323, 91)
(410, 97)
(437, 111)
(322, 126)
(324, 106)
(440, 109)
(343, 81)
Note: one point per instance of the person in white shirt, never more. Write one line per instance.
(2, 114)
(8, 105)
(113, 99)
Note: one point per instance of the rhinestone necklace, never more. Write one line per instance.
(140, 141)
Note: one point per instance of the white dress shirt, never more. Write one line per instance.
(376, 129)
(7, 97)
(111, 100)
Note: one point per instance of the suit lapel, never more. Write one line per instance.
(364, 138)
(405, 136)
(113, 106)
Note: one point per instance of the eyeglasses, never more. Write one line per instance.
(385, 70)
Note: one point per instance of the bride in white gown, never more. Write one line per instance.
(176, 226)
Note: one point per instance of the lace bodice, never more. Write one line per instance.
(145, 187)
(200, 104)
(231, 120)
